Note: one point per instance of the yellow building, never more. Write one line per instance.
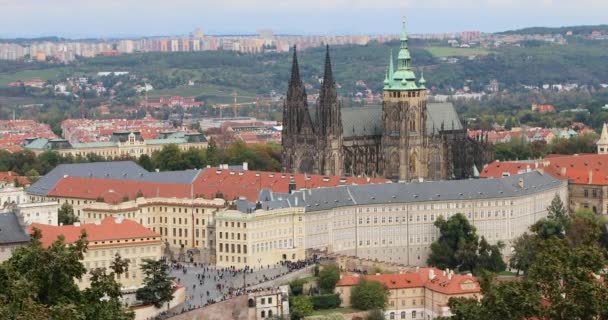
(186, 223)
(106, 239)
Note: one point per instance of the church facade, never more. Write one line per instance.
(404, 139)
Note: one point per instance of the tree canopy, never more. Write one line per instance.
(459, 247)
(368, 295)
(158, 287)
(328, 277)
(39, 283)
(562, 259)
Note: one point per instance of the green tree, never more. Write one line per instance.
(169, 158)
(524, 250)
(102, 298)
(300, 307)
(456, 244)
(368, 295)
(39, 283)
(328, 277)
(158, 287)
(32, 175)
(490, 258)
(146, 162)
(297, 287)
(66, 214)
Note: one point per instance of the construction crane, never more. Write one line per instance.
(235, 96)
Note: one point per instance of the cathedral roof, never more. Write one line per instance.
(365, 121)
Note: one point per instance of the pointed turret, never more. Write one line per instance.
(422, 82)
(602, 143)
(391, 68)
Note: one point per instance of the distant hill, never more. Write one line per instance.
(577, 30)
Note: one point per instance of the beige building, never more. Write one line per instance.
(181, 223)
(395, 222)
(260, 238)
(106, 239)
(419, 295)
(122, 144)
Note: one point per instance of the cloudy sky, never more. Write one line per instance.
(123, 18)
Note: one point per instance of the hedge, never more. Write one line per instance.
(325, 301)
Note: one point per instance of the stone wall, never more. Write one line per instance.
(302, 273)
(149, 312)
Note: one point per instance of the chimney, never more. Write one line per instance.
(520, 183)
(245, 166)
(119, 219)
(528, 169)
(450, 274)
(77, 224)
(590, 176)
(563, 171)
(431, 274)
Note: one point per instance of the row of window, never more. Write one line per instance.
(232, 259)
(231, 248)
(404, 315)
(224, 235)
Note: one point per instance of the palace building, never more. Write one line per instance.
(121, 144)
(404, 139)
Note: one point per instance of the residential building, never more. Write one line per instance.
(12, 235)
(106, 239)
(10, 178)
(269, 304)
(416, 295)
(586, 175)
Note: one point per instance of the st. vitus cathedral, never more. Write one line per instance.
(404, 139)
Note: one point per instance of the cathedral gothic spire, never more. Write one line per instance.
(296, 105)
(328, 112)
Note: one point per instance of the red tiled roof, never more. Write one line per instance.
(107, 230)
(113, 191)
(9, 176)
(497, 168)
(234, 184)
(440, 283)
(231, 184)
(579, 169)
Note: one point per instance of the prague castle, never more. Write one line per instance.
(404, 139)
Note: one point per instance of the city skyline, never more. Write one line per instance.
(87, 19)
